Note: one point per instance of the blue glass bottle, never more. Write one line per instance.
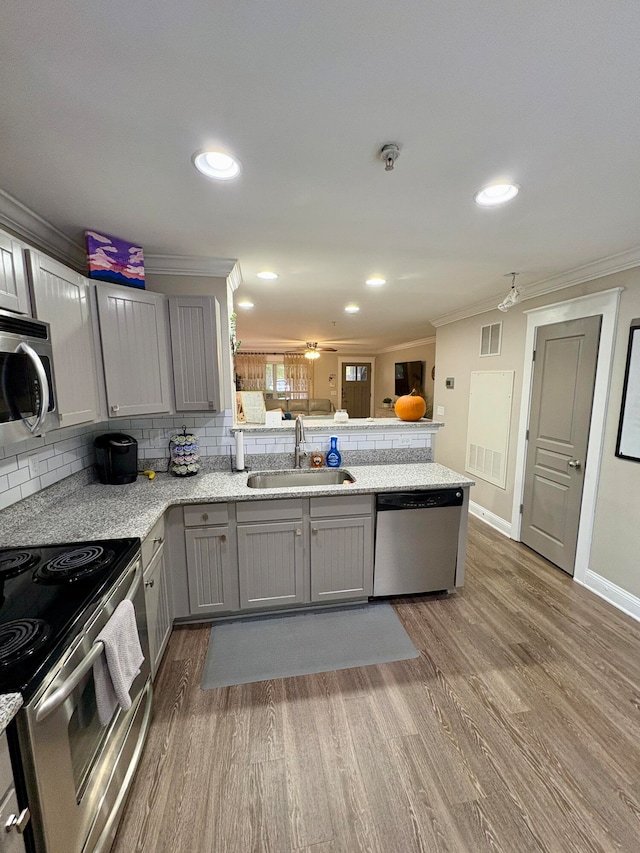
(333, 458)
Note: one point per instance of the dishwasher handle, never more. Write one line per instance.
(426, 499)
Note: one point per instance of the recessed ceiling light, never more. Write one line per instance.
(376, 282)
(217, 164)
(245, 304)
(496, 194)
(267, 275)
(351, 309)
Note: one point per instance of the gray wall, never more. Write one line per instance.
(616, 534)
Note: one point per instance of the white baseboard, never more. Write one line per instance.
(490, 518)
(620, 598)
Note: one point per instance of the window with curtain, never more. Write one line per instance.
(251, 371)
(298, 375)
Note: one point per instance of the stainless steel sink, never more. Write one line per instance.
(283, 479)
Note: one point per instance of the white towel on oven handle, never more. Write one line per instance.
(115, 670)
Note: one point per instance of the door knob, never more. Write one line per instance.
(575, 463)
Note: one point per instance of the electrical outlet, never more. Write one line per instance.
(440, 411)
(404, 441)
(333, 393)
(154, 434)
(34, 467)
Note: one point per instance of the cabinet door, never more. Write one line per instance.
(211, 570)
(134, 334)
(61, 298)
(271, 564)
(341, 558)
(156, 598)
(14, 295)
(195, 348)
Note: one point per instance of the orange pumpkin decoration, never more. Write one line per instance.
(411, 407)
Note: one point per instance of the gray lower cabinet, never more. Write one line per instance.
(211, 570)
(341, 558)
(271, 564)
(156, 597)
(12, 820)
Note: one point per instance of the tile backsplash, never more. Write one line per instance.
(35, 463)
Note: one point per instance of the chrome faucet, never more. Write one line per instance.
(299, 454)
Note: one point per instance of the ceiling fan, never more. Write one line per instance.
(312, 350)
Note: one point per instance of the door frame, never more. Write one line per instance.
(358, 359)
(604, 303)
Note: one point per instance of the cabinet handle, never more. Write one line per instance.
(298, 532)
(115, 408)
(314, 529)
(158, 539)
(150, 583)
(223, 538)
(18, 822)
(205, 516)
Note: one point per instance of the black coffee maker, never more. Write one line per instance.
(116, 458)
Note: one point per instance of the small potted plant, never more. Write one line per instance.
(387, 402)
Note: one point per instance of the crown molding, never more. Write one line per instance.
(26, 225)
(234, 279)
(409, 345)
(189, 265)
(579, 275)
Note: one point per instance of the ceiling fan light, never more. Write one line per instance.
(494, 194)
(312, 354)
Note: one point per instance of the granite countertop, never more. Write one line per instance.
(95, 511)
(325, 424)
(10, 703)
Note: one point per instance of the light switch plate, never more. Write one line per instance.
(440, 410)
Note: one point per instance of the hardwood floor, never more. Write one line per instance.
(517, 729)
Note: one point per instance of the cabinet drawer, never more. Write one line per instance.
(12, 842)
(152, 542)
(270, 510)
(200, 515)
(338, 506)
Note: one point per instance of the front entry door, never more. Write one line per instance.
(562, 394)
(356, 389)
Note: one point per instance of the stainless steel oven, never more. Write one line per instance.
(27, 388)
(74, 772)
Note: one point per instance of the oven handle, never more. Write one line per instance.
(34, 358)
(50, 703)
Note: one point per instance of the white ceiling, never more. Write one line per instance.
(102, 106)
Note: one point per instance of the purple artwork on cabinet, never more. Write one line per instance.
(114, 260)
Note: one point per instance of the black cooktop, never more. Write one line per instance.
(47, 593)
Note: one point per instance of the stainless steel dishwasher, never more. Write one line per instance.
(416, 541)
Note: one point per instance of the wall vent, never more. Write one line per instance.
(491, 339)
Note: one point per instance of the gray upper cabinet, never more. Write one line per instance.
(14, 293)
(61, 298)
(196, 356)
(135, 348)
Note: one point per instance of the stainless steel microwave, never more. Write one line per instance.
(27, 389)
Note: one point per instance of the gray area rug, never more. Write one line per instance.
(302, 643)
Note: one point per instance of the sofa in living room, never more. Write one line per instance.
(316, 407)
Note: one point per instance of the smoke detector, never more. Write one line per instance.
(389, 153)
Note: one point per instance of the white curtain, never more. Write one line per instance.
(298, 372)
(250, 368)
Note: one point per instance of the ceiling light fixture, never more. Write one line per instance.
(217, 165)
(513, 296)
(351, 309)
(375, 282)
(267, 275)
(496, 194)
(389, 153)
(312, 354)
(246, 303)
